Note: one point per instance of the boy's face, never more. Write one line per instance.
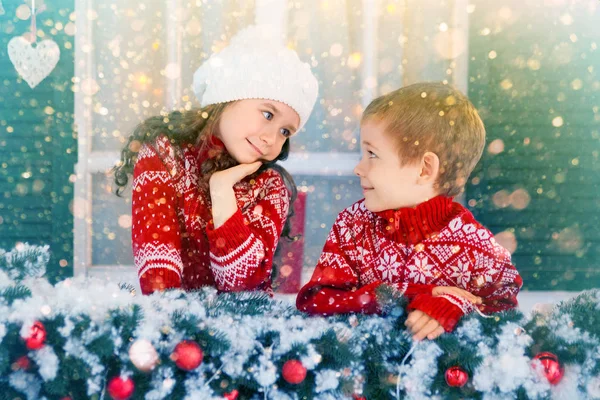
(386, 184)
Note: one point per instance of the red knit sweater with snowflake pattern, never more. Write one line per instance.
(175, 244)
(437, 243)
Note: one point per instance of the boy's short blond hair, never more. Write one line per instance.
(434, 117)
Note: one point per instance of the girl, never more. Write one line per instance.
(209, 201)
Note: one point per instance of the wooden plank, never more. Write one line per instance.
(528, 247)
(21, 230)
(583, 192)
(553, 280)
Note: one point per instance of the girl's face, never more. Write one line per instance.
(256, 129)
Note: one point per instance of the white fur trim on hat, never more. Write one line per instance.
(255, 65)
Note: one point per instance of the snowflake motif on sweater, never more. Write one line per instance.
(174, 242)
(437, 243)
(420, 271)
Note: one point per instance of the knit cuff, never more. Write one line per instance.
(233, 233)
(439, 308)
(414, 289)
(159, 279)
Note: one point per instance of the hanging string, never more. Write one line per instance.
(414, 346)
(482, 314)
(33, 38)
(214, 376)
(104, 386)
(33, 28)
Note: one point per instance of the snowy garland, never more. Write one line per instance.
(86, 338)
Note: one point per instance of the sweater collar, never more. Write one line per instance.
(415, 224)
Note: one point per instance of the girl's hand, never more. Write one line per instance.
(231, 176)
(221, 183)
(440, 290)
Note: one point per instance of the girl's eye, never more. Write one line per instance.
(268, 115)
(286, 132)
(371, 154)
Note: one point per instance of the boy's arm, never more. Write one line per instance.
(335, 287)
(496, 281)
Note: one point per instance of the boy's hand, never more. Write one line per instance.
(423, 326)
(231, 176)
(440, 290)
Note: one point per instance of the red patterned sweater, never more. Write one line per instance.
(174, 242)
(437, 243)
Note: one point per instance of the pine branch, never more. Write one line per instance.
(13, 293)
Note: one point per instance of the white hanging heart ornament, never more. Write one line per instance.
(34, 64)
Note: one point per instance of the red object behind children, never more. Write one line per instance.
(290, 255)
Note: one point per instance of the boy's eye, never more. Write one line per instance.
(268, 115)
(371, 154)
(286, 132)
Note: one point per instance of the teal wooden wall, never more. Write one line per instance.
(38, 145)
(534, 74)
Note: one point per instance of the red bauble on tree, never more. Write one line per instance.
(37, 336)
(293, 372)
(357, 397)
(233, 395)
(187, 355)
(120, 388)
(553, 370)
(456, 377)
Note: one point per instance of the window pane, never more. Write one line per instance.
(139, 61)
(327, 35)
(111, 223)
(418, 41)
(128, 55)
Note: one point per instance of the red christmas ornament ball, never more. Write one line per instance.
(456, 377)
(233, 395)
(187, 355)
(553, 370)
(293, 372)
(37, 336)
(357, 397)
(120, 388)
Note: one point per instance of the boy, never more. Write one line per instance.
(420, 143)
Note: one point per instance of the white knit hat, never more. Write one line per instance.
(256, 66)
